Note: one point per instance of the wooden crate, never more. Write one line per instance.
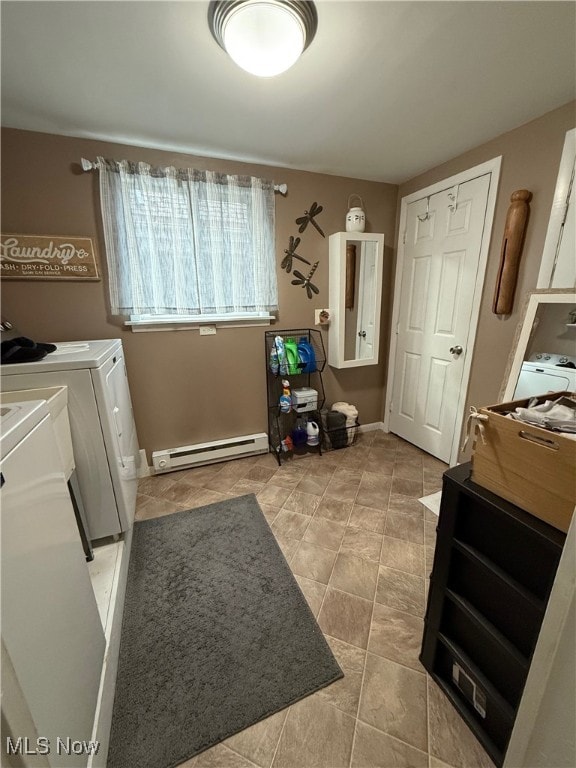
(532, 467)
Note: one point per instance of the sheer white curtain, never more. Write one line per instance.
(187, 242)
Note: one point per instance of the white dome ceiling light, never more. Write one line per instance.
(264, 37)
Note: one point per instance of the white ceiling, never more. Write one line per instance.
(385, 91)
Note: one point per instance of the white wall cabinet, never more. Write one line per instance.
(558, 266)
(355, 298)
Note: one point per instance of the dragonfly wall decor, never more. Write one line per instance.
(305, 281)
(308, 218)
(290, 252)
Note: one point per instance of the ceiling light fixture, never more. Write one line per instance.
(264, 37)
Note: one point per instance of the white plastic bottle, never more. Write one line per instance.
(313, 433)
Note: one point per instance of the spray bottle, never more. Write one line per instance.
(286, 397)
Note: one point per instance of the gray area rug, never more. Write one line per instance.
(216, 635)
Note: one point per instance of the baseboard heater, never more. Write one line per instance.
(207, 453)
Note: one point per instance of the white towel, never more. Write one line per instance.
(558, 415)
(351, 414)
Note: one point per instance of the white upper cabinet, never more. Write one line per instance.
(558, 267)
(355, 296)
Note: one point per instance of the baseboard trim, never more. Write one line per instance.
(373, 427)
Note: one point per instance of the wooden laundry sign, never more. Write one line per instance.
(47, 257)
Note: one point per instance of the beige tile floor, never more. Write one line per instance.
(361, 547)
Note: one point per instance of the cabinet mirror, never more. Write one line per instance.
(355, 298)
(547, 327)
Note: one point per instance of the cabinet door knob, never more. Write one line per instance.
(362, 334)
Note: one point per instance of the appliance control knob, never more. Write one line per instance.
(546, 357)
(538, 357)
(563, 360)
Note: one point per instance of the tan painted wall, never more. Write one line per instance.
(185, 388)
(530, 160)
(551, 333)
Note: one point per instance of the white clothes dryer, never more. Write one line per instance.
(546, 372)
(104, 436)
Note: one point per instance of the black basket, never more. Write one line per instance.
(341, 437)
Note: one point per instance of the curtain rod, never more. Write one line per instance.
(88, 165)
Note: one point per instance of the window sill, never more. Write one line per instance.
(193, 323)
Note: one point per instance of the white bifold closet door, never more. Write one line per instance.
(444, 235)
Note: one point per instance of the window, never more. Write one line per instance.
(186, 244)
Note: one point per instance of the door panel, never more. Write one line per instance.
(417, 297)
(458, 221)
(443, 243)
(409, 390)
(435, 394)
(425, 226)
(450, 282)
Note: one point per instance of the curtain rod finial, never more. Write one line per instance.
(282, 188)
(87, 165)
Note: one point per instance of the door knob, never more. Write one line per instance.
(456, 350)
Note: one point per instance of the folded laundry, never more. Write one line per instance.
(351, 413)
(558, 415)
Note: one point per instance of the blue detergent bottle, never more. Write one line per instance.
(299, 434)
(306, 355)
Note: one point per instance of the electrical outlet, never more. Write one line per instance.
(207, 330)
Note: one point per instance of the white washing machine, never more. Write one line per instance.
(102, 424)
(546, 372)
(52, 639)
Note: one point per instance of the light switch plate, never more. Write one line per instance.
(207, 330)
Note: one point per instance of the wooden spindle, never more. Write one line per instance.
(350, 276)
(512, 244)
